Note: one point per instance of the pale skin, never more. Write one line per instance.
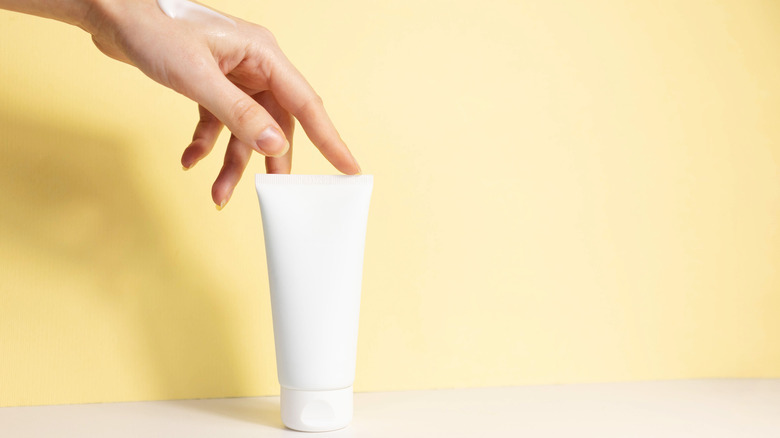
(236, 73)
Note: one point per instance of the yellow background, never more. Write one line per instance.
(565, 192)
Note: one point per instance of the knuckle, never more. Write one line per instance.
(206, 119)
(232, 161)
(311, 105)
(265, 34)
(243, 111)
(287, 121)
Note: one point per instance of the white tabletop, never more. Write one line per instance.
(684, 408)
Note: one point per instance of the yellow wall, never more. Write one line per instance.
(565, 192)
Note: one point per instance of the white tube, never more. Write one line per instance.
(315, 228)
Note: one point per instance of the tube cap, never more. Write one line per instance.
(316, 411)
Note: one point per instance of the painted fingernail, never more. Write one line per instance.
(221, 205)
(271, 142)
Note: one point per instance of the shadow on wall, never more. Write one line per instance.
(74, 206)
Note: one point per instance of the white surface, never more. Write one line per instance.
(693, 408)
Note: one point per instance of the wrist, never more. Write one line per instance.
(75, 12)
(88, 15)
(98, 16)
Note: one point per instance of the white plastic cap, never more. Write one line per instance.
(316, 411)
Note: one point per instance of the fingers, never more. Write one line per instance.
(297, 96)
(238, 153)
(236, 159)
(285, 120)
(206, 134)
(245, 118)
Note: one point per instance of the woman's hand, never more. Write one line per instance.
(237, 74)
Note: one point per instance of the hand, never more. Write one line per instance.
(237, 74)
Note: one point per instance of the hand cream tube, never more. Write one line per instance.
(315, 230)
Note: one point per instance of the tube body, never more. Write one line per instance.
(315, 228)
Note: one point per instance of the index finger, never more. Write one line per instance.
(294, 93)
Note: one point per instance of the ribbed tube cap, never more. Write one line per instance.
(316, 411)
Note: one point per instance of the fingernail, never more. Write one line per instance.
(221, 205)
(188, 166)
(360, 171)
(271, 142)
(284, 151)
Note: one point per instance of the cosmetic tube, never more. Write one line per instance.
(315, 230)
